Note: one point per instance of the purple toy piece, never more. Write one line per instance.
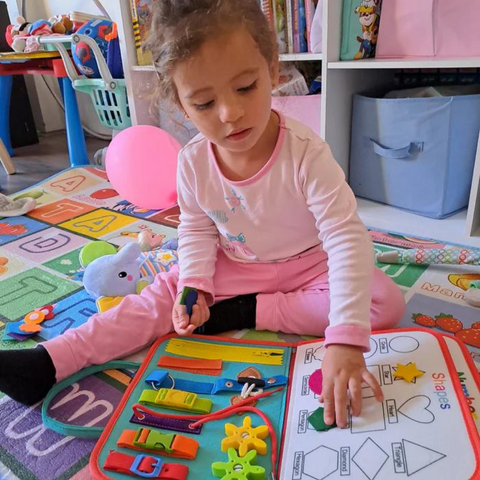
(20, 338)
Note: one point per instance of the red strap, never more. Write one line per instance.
(146, 465)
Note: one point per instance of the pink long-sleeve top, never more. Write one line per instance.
(299, 200)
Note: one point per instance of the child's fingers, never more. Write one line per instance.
(200, 314)
(205, 311)
(340, 393)
(180, 316)
(328, 403)
(198, 317)
(355, 388)
(186, 332)
(373, 384)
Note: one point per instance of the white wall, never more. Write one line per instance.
(54, 7)
(12, 9)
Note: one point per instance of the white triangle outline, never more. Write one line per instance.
(419, 448)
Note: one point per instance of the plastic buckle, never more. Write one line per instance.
(176, 398)
(156, 379)
(154, 462)
(149, 439)
(258, 382)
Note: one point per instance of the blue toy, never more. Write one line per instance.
(82, 55)
(126, 272)
(189, 298)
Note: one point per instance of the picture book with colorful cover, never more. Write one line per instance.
(279, 19)
(141, 20)
(310, 6)
(302, 27)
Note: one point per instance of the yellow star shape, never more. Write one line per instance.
(245, 438)
(408, 372)
(167, 257)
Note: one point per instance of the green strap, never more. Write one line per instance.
(201, 405)
(77, 430)
(148, 397)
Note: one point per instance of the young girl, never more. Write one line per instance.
(269, 233)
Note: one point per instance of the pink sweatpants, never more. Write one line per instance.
(293, 298)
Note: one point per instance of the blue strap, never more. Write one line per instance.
(77, 430)
(397, 153)
(161, 379)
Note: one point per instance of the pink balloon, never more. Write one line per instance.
(141, 165)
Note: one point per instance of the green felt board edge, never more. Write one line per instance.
(213, 432)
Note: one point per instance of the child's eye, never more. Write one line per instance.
(204, 106)
(249, 87)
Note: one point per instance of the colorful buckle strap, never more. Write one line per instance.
(192, 365)
(163, 423)
(144, 466)
(153, 441)
(162, 379)
(176, 400)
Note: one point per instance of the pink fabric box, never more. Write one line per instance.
(429, 28)
(304, 109)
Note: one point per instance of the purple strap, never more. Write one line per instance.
(175, 424)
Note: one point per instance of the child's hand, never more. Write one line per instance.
(344, 370)
(185, 325)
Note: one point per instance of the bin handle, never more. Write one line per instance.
(76, 38)
(395, 153)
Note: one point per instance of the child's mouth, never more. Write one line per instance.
(240, 135)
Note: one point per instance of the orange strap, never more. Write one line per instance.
(191, 365)
(181, 447)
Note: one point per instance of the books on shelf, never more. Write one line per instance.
(141, 20)
(279, 24)
(292, 21)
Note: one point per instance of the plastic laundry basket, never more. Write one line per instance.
(111, 105)
(109, 95)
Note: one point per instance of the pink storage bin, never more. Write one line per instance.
(304, 109)
(429, 28)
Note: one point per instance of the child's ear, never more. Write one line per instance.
(274, 68)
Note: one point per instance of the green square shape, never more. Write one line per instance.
(23, 293)
(67, 264)
(318, 423)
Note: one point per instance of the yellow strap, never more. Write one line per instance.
(229, 353)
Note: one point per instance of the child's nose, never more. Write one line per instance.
(230, 112)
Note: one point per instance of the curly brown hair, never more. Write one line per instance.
(180, 27)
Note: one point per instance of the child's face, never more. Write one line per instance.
(225, 90)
